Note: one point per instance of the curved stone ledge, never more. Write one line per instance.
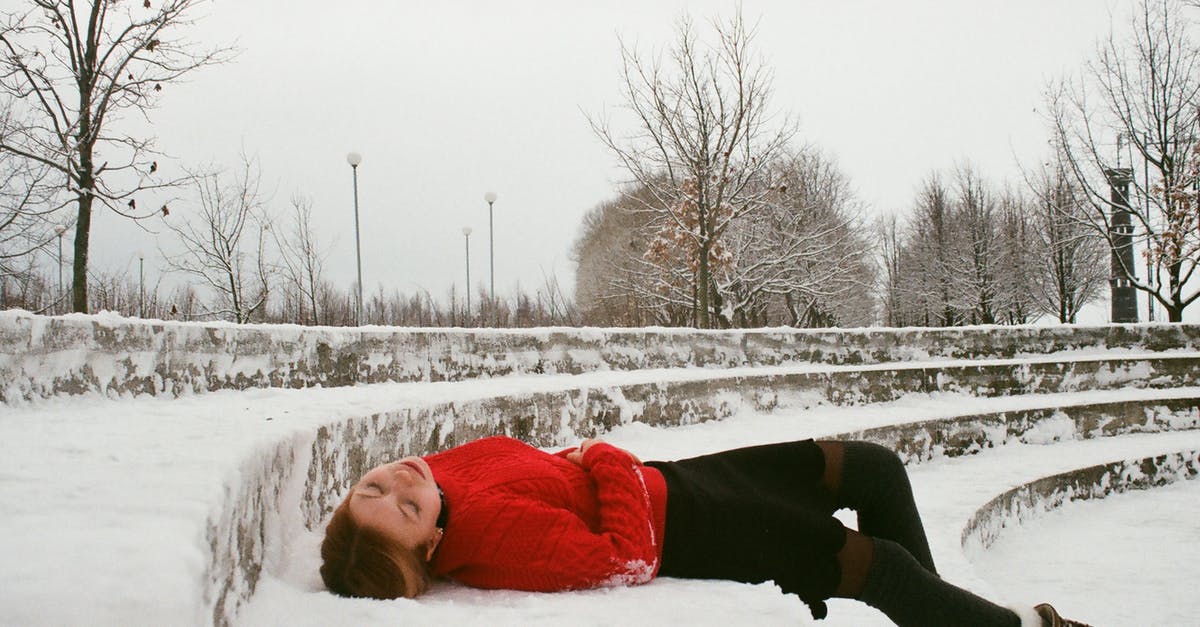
(925, 440)
(1043, 495)
(310, 473)
(76, 354)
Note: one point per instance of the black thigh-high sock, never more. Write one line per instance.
(911, 595)
(875, 484)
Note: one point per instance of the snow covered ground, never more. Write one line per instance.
(948, 491)
(115, 508)
(103, 504)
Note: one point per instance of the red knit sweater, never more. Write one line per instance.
(523, 519)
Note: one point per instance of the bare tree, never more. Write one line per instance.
(614, 282)
(223, 242)
(801, 261)
(932, 239)
(892, 249)
(303, 262)
(974, 282)
(26, 207)
(1070, 260)
(703, 139)
(75, 68)
(22, 286)
(803, 257)
(1015, 275)
(1141, 97)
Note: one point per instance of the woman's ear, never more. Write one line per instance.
(433, 543)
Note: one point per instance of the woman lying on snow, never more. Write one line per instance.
(497, 513)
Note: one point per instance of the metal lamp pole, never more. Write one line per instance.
(59, 232)
(490, 197)
(141, 285)
(354, 159)
(466, 231)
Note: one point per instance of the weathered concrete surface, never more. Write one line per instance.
(925, 440)
(1048, 493)
(76, 354)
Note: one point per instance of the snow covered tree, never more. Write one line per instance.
(892, 251)
(803, 259)
(1070, 261)
(72, 69)
(1015, 299)
(614, 282)
(703, 136)
(973, 254)
(929, 291)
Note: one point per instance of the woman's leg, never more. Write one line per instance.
(871, 480)
(884, 575)
(886, 563)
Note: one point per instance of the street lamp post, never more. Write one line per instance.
(59, 230)
(490, 197)
(466, 231)
(354, 159)
(141, 285)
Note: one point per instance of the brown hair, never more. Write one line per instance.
(358, 561)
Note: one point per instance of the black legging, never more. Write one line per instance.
(887, 563)
(766, 513)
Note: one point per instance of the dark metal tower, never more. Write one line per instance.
(1124, 295)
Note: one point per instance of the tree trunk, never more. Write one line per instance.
(702, 284)
(83, 226)
(1174, 282)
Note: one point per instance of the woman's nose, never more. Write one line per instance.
(384, 479)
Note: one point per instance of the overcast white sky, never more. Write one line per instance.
(446, 100)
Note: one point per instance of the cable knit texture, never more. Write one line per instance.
(523, 519)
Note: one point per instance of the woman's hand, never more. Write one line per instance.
(576, 455)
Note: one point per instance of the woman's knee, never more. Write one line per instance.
(855, 560)
(831, 476)
(873, 458)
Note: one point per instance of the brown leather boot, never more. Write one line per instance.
(1050, 617)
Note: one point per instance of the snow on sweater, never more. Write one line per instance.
(523, 519)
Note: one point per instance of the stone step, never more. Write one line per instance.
(68, 355)
(924, 440)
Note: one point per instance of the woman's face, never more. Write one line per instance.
(400, 501)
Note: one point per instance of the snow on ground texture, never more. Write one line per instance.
(1129, 559)
(103, 506)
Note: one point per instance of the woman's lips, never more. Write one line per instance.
(415, 467)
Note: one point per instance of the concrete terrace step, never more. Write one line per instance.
(1050, 421)
(214, 472)
(975, 479)
(75, 354)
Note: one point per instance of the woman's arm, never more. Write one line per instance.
(530, 545)
(576, 454)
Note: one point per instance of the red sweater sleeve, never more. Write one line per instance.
(531, 545)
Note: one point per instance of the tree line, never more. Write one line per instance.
(726, 219)
(713, 230)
